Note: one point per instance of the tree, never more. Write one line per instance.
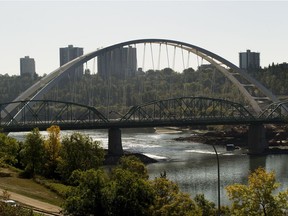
(257, 197)
(8, 149)
(133, 164)
(170, 201)
(79, 152)
(127, 194)
(51, 151)
(124, 192)
(129, 191)
(208, 208)
(32, 152)
(87, 197)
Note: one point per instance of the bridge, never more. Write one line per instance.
(184, 111)
(29, 110)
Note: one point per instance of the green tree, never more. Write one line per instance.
(32, 152)
(51, 151)
(8, 149)
(79, 152)
(129, 191)
(87, 197)
(257, 198)
(127, 194)
(170, 201)
(208, 208)
(126, 191)
(134, 165)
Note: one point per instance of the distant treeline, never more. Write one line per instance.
(119, 94)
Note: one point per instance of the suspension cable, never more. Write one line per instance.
(188, 59)
(174, 58)
(144, 52)
(93, 72)
(152, 56)
(159, 55)
(182, 58)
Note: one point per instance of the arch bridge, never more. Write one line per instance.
(28, 110)
(247, 85)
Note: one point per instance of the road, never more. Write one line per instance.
(37, 205)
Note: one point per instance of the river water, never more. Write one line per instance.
(193, 166)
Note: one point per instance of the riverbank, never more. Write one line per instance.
(276, 137)
(114, 159)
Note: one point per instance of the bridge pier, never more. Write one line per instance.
(257, 139)
(115, 142)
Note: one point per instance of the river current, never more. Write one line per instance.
(193, 166)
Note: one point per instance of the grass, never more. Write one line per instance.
(27, 187)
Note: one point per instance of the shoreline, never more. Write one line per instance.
(114, 159)
(276, 137)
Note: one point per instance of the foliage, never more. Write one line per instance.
(79, 152)
(126, 191)
(8, 150)
(129, 191)
(208, 208)
(134, 165)
(12, 86)
(32, 152)
(170, 201)
(86, 198)
(8, 210)
(257, 197)
(54, 186)
(92, 90)
(51, 151)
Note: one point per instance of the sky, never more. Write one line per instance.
(39, 28)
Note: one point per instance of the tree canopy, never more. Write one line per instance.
(257, 198)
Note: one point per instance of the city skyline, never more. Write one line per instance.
(225, 28)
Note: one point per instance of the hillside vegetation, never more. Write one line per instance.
(118, 94)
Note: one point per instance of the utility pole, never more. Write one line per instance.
(218, 175)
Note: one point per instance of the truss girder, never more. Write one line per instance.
(276, 111)
(187, 109)
(48, 112)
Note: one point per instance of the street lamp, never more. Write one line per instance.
(218, 175)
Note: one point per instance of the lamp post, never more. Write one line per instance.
(218, 175)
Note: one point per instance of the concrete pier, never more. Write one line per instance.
(257, 139)
(115, 142)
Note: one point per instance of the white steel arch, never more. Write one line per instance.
(231, 71)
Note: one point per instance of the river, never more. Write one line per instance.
(193, 166)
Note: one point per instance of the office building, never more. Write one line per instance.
(249, 60)
(27, 66)
(69, 53)
(121, 63)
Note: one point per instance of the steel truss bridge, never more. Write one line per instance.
(183, 111)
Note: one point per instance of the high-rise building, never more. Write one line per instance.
(249, 60)
(121, 63)
(69, 53)
(27, 66)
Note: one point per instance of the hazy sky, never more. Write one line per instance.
(39, 28)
